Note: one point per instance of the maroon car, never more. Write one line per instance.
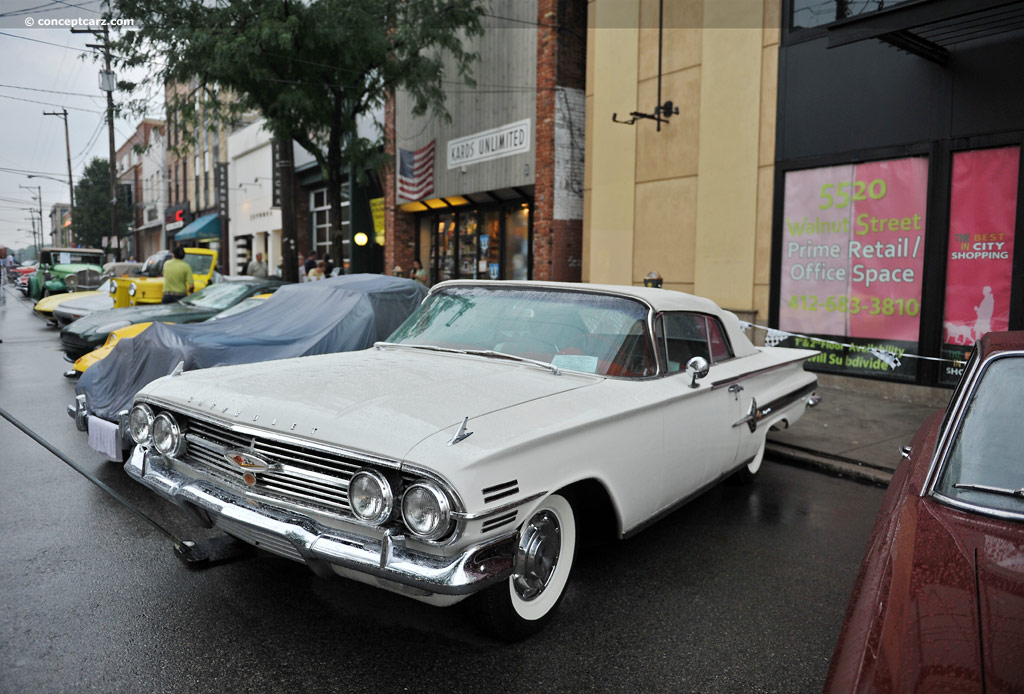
(939, 602)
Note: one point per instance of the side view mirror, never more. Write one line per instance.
(699, 367)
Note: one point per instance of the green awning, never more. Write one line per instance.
(206, 228)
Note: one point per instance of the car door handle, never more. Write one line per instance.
(735, 389)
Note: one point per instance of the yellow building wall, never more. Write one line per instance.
(693, 201)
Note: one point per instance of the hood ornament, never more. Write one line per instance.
(461, 433)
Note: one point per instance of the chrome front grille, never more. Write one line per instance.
(305, 476)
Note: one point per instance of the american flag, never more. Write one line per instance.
(416, 172)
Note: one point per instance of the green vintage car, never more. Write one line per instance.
(55, 264)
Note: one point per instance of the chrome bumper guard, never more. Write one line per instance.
(300, 537)
(79, 411)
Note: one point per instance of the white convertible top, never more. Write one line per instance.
(658, 299)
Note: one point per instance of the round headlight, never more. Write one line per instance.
(113, 288)
(140, 423)
(167, 435)
(70, 283)
(426, 510)
(132, 289)
(370, 497)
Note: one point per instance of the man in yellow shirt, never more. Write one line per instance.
(178, 282)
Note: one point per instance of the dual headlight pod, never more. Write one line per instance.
(132, 288)
(426, 509)
(162, 430)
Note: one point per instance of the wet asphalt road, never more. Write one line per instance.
(743, 590)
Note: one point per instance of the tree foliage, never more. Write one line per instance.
(91, 221)
(313, 68)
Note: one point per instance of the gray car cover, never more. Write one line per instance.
(339, 314)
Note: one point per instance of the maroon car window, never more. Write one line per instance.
(984, 465)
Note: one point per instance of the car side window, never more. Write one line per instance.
(688, 335)
(720, 350)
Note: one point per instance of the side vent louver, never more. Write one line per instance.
(500, 491)
(498, 521)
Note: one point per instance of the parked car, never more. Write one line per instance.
(18, 275)
(80, 304)
(345, 313)
(147, 285)
(89, 332)
(130, 331)
(47, 307)
(467, 453)
(939, 601)
(57, 263)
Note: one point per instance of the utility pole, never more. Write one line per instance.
(39, 199)
(71, 186)
(107, 84)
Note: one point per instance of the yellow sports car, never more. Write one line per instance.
(130, 331)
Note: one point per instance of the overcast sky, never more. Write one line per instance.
(45, 58)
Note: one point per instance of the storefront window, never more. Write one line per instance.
(853, 242)
(816, 13)
(472, 243)
(445, 247)
(319, 213)
(517, 243)
(490, 246)
(467, 245)
(979, 258)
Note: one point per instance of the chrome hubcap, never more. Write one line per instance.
(539, 546)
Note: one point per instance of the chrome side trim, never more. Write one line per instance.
(981, 510)
(498, 509)
(735, 379)
(755, 414)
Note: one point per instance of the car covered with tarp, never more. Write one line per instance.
(340, 314)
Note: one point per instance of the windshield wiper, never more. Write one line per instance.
(474, 352)
(1017, 493)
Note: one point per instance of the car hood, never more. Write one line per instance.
(168, 313)
(67, 269)
(87, 301)
(381, 402)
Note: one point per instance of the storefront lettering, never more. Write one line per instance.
(502, 141)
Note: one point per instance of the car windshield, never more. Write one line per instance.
(219, 296)
(986, 450)
(581, 331)
(199, 263)
(153, 267)
(241, 307)
(72, 256)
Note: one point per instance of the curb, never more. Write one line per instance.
(831, 465)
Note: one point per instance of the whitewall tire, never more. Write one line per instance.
(523, 603)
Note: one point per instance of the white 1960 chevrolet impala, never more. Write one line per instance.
(469, 452)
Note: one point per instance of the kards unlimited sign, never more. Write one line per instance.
(852, 259)
(490, 144)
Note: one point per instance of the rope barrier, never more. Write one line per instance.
(774, 336)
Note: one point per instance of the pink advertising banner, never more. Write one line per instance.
(979, 262)
(853, 250)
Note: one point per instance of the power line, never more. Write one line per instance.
(48, 103)
(49, 91)
(48, 43)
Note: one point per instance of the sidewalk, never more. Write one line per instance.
(851, 434)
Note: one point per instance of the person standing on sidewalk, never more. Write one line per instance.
(178, 282)
(257, 267)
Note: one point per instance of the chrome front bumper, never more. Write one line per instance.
(327, 550)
